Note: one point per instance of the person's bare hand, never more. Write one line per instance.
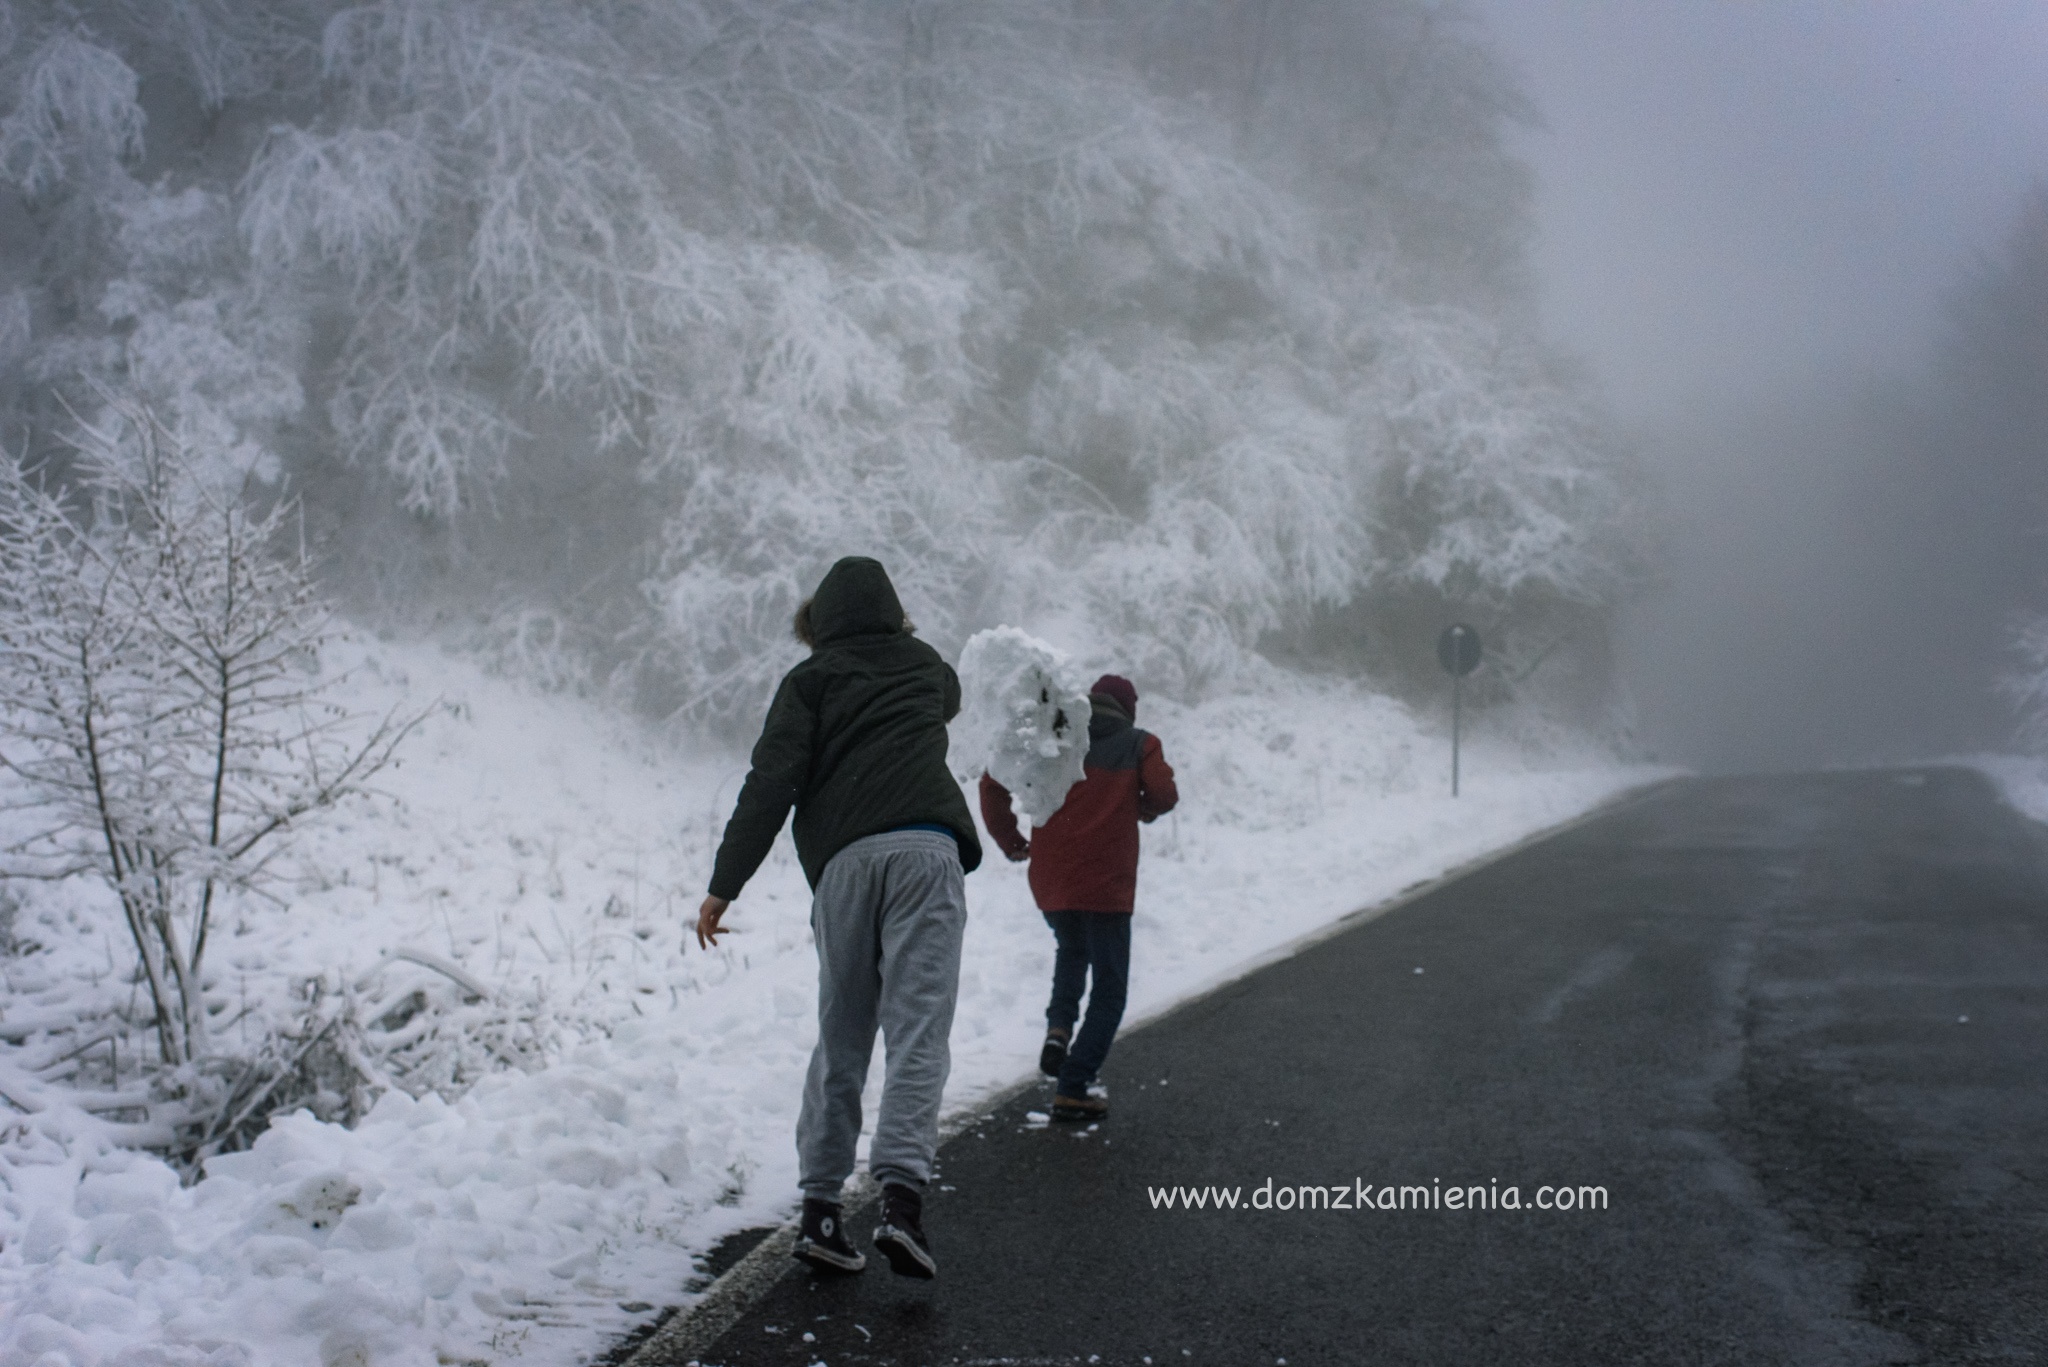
(708, 929)
(1019, 855)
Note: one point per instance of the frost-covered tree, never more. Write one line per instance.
(1177, 331)
(160, 700)
(1388, 116)
(1979, 484)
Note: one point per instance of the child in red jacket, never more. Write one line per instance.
(1084, 876)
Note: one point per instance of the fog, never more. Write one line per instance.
(1205, 341)
(1762, 224)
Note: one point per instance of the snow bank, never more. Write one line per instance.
(555, 854)
(1023, 718)
(2021, 779)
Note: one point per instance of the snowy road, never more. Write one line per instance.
(1791, 1026)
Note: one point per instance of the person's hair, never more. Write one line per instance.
(801, 624)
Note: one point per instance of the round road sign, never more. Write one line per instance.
(1458, 650)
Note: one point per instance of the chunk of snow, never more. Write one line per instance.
(1023, 718)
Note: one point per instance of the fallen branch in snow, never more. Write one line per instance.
(21, 1091)
(98, 1102)
(476, 989)
(46, 1065)
(218, 1133)
(18, 1027)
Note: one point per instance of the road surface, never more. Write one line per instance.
(1783, 1039)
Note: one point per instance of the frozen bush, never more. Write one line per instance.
(160, 700)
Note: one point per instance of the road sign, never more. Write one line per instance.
(1458, 651)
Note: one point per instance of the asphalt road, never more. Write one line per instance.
(1796, 1028)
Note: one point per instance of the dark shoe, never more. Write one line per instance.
(900, 1236)
(1079, 1108)
(1054, 1055)
(822, 1242)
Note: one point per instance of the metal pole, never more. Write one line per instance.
(1457, 724)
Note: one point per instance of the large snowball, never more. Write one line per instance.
(1023, 718)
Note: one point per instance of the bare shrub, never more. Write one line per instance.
(160, 699)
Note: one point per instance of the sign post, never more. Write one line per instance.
(1458, 651)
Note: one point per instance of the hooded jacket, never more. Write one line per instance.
(855, 739)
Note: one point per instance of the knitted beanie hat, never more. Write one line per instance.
(1120, 689)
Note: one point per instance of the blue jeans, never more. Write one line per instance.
(1090, 942)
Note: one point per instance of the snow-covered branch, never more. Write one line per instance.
(160, 694)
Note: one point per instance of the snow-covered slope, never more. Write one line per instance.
(2021, 779)
(553, 853)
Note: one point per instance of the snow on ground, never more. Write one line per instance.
(2022, 779)
(553, 853)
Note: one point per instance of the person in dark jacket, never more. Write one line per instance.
(855, 741)
(1084, 877)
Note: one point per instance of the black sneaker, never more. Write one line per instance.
(822, 1242)
(900, 1236)
(1054, 1055)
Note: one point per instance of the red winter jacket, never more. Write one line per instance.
(1085, 857)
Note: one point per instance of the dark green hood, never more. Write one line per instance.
(855, 599)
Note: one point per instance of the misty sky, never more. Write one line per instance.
(1732, 192)
(1750, 213)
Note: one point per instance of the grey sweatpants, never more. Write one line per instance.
(888, 916)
